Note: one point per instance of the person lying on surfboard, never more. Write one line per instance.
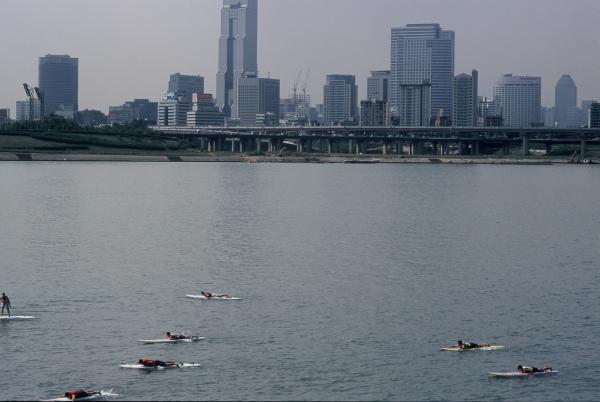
(533, 370)
(210, 295)
(156, 363)
(80, 393)
(175, 337)
(471, 345)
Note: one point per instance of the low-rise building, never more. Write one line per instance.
(4, 116)
(204, 112)
(90, 118)
(373, 113)
(172, 111)
(267, 119)
(138, 109)
(23, 109)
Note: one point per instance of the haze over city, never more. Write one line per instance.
(309, 200)
(127, 49)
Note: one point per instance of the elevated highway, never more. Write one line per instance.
(399, 140)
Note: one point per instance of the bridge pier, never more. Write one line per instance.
(328, 146)
(583, 150)
(548, 149)
(384, 149)
(525, 150)
(418, 148)
(475, 148)
(445, 148)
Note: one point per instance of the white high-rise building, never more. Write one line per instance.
(422, 72)
(518, 100)
(237, 50)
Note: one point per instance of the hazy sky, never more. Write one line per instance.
(128, 48)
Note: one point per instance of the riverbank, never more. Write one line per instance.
(298, 158)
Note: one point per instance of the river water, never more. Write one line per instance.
(353, 277)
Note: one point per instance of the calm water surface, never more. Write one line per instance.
(353, 277)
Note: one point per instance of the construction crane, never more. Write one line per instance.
(296, 88)
(33, 93)
(31, 96)
(304, 100)
(40, 96)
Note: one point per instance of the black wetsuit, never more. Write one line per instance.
(78, 394)
(178, 337)
(5, 304)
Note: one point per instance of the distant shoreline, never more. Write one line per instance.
(236, 158)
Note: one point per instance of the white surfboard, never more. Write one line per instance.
(142, 367)
(162, 341)
(485, 348)
(516, 374)
(17, 317)
(103, 394)
(216, 297)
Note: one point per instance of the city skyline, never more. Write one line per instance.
(111, 73)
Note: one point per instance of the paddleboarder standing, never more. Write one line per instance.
(5, 304)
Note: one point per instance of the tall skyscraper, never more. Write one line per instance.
(257, 96)
(186, 85)
(422, 72)
(565, 100)
(518, 100)
(237, 50)
(340, 98)
(59, 83)
(378, 86)
(465, 111)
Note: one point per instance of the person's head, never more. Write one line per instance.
(141, 361)
(168, 334)
(520, 369)
(3, 294)
(459, 343)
